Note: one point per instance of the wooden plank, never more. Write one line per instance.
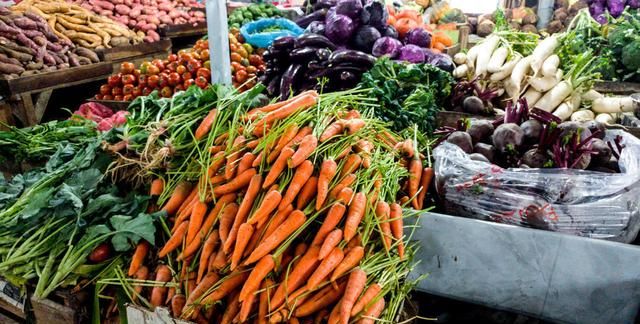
(614, 87)
(47, 311)
(12, 300)
(142, 49)
(184, 30)
(56, 79)
(7, 320)
(140, 315)
(41, 104)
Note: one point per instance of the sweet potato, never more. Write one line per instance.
(20, 56)
(83, 60)
(35, 65)
(50, 60)
(40, 40)
(135, 12)
(150, 11)
(85, 52)
(119, 41)
(25, 23)
(5, 59)
(73, 60)
(154, 35)
(55, 47)
(103, 4)
(8, 68)
(32, 33)
(165, 19)
(122, 9)
(63, 66)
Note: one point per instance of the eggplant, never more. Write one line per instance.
(316, 27)
(273, 85)
(315, 40)
(284, 43)
(305, 21)
(304, 54)
(323, 54)
(289, 78)
(324, 4)
(317, 65)
(355, 57)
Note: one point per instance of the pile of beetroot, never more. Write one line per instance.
(103, 116)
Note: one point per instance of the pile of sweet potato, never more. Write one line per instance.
(28, 46)
(145, 15)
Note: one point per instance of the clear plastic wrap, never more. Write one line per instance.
(585, 203)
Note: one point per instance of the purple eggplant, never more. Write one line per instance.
(304, 54)
(305, 21)
(314, 40)
(284, 43)
(351, 56)
(289, 80)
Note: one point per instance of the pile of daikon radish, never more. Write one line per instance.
(539, 78)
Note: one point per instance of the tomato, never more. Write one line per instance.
(127, 68)
(207, 64)
(127, 97)
(146, 91)
(107, 97)
(241, 76)
(101, 253)
(105, 89)
(166, 92)
(193, 65)
(252, 69)
(235, 57)
(172, 66)
(196, 56)
(202, 82)
(164, 80)
(159, 63)
(137, 91)
(204, 54)
(233, 48)
(98, 97)
(255, 60)
(153, 70)
(181, 69)
(236, 66)
(144, 67)
(185, 57)
(174, 79)
(128, 79)
(203, 72)
(142, 80)
(127, 89)
(116, 91)
(177, 88)
(243, 52)
(114, 80)
(186, 75)
(117, 97)
(188, 82)
(137, 73)
(172, 57)
(152, 82)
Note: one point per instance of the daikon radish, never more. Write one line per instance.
(461, 71)
(497, 60)
(532, 96)
(505, 70)
(554, 97)
(612, 105)
(542, 52)
(544, 84)
(564, 111)
(484, 54)
(550, 65)
(517, 75)
(592, 95)
(460, 58)
(583, 116)
(472, 55)
(605, 118)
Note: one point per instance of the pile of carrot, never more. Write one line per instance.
(296, 216)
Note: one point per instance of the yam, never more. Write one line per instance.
(35, 65)
(122, 9)
(8, 68)
(5, 59)
(85, 52)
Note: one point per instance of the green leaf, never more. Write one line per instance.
(130, 230)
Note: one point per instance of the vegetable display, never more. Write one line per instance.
(103, 116)
(563, 15)
(146, 16)
(519, 19)
(600, 8)
(73, 23)
(246, 61)
(244, 15)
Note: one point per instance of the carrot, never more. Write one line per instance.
(244, 234)
(287, 136)
(268, 108)
(307, 145)
(324, 298)
(345, 182)
(233, 157)
(344, 153)
(226, 220)
(245, 162)
(269, 203)
(321, 316)
(263, 303)
(366, 298)
(236, 183)
(298, 275)
(335, 129)
(327, 172)
(221, 138)
(396, 226)
(205, 125)
(294, 320)
(177, 198)
(425, 181)
(177, 304)
(404, 200)
(252, 144)
(247, 307)
(175, 240)
(276, 220)
(277, 167)
(302, 174)
(215, 149)
(325, 268)
(163, 274)
(230, 283)
(196, 219)
(256, 239)
(259, 272)
(308, 191)
(334, 316)
(415, 173)
(217, 162)
(371, 313)
(279, 316)
(349, 262)
(213, 214)
(218, 262)
(232, 309)
(209, 280)
(170, 293)
(345, 196)
(141, 274)
(281, 233)
(330, 222)
(243, 210)
(382, 212)
(304, 131)
(351, 164)
(405, 148)
(354, 125)
(355, 286)
(157, 186)
(300, 250)
(330, 242)
(207, 250)
(187, 207)
(138, 257)
(216, 180)
(301, 102)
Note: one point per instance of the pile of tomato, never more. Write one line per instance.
(178, 72)
(246, 62)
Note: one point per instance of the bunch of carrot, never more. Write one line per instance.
(296, 216)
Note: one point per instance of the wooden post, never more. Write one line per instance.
(218, 41)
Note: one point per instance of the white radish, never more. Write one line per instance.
(517, 75)
(612, 105)
(532, 96)
(564, 111)
(592, 95)
(461, 71)
(484, 54)
(460, 58)
(544, 84)
(583, 116)
(605, 118)
(542, 52)
(550, 65)
(505, 70)
(472, 55)
(497, 60)
(554, 97)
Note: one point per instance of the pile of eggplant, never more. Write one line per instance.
(311, 61)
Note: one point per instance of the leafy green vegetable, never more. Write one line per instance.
(407, 93)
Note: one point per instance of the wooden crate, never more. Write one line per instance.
(619, 88)
(62, 307)
(133, 53)
(140, 315)
(12, 300)
(184, 30)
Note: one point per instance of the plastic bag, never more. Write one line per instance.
(253, 32)
(578, 202)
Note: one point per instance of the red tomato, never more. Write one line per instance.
(153, 70)
(185, 57)
(172, 67)
(128, 79)
(101, 253)
(146, 91)
(177, 88)
(114, 80)
(158, 63)
(105, 89)
(142, 80)
(204, 72)
(152, 81)
(144, 67)
(202, 82)
(188, 82)
(137, 73)
(241, 76)
(174, 78)
(127, 67)
(193, 65)
(181, 69)
(116, 91)
(127, 97)
(255, 60)
(117, 98)
(172, 57)
(107, 97)
(127, 89)
(137, 91)
(252, 69)
(166, 92)
(98, 97)
(204, 54)
(164, 80)
(186, 75)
